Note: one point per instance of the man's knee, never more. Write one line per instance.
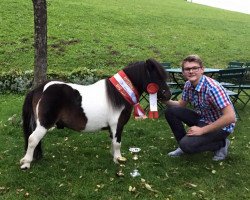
(187, 146)
(170, 112)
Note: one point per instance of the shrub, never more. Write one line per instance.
(17, 81)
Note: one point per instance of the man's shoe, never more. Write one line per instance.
(221, 154)
(176, 152)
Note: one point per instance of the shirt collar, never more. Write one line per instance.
(200, 84)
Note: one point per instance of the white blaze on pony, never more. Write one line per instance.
(86, 108)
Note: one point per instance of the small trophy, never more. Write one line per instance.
(135, 173)
(121, 161)
(135, 151)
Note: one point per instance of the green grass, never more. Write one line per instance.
(112, 33)
(108, 35)
(79, 165)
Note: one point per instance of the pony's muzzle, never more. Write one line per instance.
(164, 95)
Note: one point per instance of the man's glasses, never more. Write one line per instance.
(194, 69)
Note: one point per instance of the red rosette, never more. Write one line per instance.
(152, 88)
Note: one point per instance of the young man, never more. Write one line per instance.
(213, 117)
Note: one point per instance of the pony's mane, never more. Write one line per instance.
(114, 97)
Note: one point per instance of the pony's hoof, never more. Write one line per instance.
(25, 166)
(115, 161)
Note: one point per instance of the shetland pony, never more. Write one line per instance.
(85, 108)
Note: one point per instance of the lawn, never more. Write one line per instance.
(79, 165)
(108, 35)
(112, 33)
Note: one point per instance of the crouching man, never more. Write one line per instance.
(213, 117)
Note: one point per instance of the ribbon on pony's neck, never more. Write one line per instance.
(152, 89)
(129, 92)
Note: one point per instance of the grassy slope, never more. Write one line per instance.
(110, 34)
(79, 166)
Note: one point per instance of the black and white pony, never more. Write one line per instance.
(85, 108)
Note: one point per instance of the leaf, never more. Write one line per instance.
(27, 194)
(131, 189)
(192, 185)
(143, 180)
(100, 185)
(148, 187)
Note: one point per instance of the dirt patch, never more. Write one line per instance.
(60, 46)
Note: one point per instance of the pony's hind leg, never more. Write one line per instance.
(33, 141)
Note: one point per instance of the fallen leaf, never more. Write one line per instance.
(143, 180)
(27, 194)
(192, 185)
(131, 189)
(148, 187)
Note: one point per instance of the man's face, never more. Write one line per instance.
(192, 71)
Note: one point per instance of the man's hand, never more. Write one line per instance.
(195, 131)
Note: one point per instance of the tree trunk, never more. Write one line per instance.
(40, 41)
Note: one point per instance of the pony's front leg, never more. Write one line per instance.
(34, 139)
(116, 149)
(116, 143)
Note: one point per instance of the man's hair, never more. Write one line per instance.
(192, 58)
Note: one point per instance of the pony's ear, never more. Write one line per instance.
(151, 63)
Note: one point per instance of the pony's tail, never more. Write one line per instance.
(29, 124)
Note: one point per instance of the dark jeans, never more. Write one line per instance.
(212, 141)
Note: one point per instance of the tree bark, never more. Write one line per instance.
(40, 41)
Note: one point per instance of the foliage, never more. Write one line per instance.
(79, 165)
(15, 81)
(18, 82)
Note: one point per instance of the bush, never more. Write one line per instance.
(17, 81)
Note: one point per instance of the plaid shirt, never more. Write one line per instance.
(208, 99)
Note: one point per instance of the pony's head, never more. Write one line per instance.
(143, 73)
